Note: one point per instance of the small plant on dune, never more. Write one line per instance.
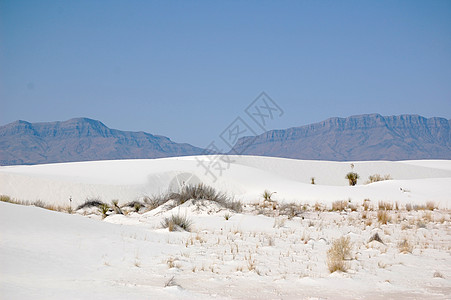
(352, 178)
(227, 216)
(378, 177)
(115, 206)
(338, 253)
(104, 208)
(267, 195)
(177, 222)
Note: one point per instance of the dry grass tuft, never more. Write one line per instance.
(338, 253)
(405, 247)
(383, 217)
(430, 205)
(385, 205)
(339, 205)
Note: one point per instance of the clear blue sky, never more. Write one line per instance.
(186, 69)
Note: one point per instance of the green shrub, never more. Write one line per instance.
(352, 178)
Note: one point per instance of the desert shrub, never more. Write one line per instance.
(378, 177)
(155, 201)
(39, 203)
(5, 198)
(136, 205)
(352, 178)
(115, 206)
(338, 253)
(234, 205)
(339, 205)
(199, 192)
(90, 202)
(383, 216)
(104, 208)
(290, 209)
(177, 222)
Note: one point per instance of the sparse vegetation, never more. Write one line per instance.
(91, 202)
(177, 223)
(385, 205)
(352, 178)
(267, 195)
(104, 208)
(431, 205)
(339, 205)
(338, 253)
(383, 217)
(378, 177)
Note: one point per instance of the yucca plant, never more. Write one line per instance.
(352, 178)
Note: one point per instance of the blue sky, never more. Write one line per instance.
(187, 69)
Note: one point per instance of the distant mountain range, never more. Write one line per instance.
(81, 139)
(363, 137)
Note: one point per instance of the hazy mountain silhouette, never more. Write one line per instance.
(81, 139)
(362, 137)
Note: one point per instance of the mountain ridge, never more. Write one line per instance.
(81, 139)
(361, 137)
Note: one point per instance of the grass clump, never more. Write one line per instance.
(385, 205)
(177, 223)
(338, 253)
(383, 216)
(378, 177)
(339, 205)
(430, 205)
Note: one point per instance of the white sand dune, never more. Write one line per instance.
(248, 255)
(245, 178)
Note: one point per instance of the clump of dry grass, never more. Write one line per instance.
(338, 253)
(383, 217)
(366, 204)
(385, 205)
(339, 205)
(378, 177)
(405, 246)
(431, 205)
(177, 222)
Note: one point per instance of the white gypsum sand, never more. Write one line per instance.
(272, 249)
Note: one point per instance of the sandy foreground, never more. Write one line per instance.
(274, 249)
